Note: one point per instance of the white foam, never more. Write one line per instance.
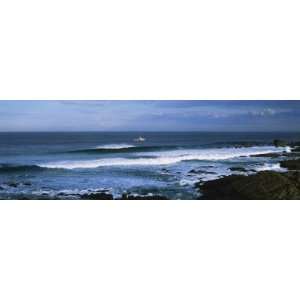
(167, 157)
(288, 149)
(115, 146)
(269, 167)
(186, 182)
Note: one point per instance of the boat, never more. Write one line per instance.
(140, 139)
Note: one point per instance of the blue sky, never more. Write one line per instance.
(150, 115)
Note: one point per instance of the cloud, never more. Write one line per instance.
(269, 112)
(146, 115)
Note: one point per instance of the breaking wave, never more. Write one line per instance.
(115, 146)
(121, 148)
(269, 167)
(167, 157)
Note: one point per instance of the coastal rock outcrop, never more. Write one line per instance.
(292, 164)
(237, 169)
(271, 155)
(97, 196)
(200, 171)
(263, 185)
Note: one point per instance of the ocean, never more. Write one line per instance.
(66, 165)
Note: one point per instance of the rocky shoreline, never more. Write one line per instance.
(239, 183)
(264, 185)
(95, 194)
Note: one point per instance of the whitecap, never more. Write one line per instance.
(167, 157)
(269, 167)
(114, 146)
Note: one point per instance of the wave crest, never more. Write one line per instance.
(166, 157)
(115, 146)
(121, 148)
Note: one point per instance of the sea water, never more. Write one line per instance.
(45, 165)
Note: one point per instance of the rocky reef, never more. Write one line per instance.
(237, 169)
(263, 185)
(97, 196)
(292, 164)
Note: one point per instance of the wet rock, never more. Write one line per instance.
(238, 169)
(150, 196)
(295, 144)
(23, 198)
(97, 196)
(263, 185)
(292, 164)
(291, 154)
(296, 149)
(276, 155)
(194, 171)
(272, 155)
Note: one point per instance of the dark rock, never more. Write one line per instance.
(97, 196)
(292, 164)
(23, 198)
(296, 149)
(295, 144)
(280, 143)
(27, 183)
(60, 194)
(238, 169)
(194, 171)
(291, 154)
(274, 155)
(263, 185)
(129, 196)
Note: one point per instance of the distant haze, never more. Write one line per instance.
(150, 115)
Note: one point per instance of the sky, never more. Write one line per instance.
(149, 115)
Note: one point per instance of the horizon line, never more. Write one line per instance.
(149, 131)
